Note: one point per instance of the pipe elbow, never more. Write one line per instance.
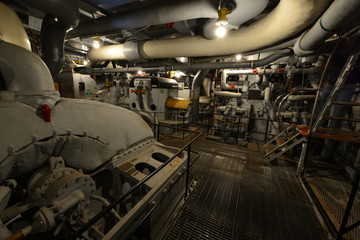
(298, 50)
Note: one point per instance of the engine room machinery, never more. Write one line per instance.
(60, 165)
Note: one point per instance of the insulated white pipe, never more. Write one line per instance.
(335, 15)
(165, 13)
(11, 28)
(110, 53)
(301, 97)
(227, 94)
(287, 19)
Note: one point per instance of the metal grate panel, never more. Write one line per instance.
(240, 197)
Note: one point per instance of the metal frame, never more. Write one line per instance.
(113, 204)
(314, 126)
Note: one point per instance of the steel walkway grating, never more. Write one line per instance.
(333, 195)
(239, 197)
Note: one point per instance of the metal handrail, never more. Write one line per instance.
(321, 82)
(285, 97)
(107, 209)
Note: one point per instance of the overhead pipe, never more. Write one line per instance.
(11, 28)
(171, 12)
(197, 66)
(326, 26)
(297, 14)
(228, 94)
(62, 15)
(30, 83)
(161, 14)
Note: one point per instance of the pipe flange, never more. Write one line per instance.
(132, 51)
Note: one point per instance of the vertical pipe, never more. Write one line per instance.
(195, 94)
(267, 128)
(300, 167)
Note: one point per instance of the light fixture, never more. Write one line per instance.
(85, 62)
(222, 20)
(220, 32)
(96, 42)
(178, 74)
(139, 72)
(182, 59)
(238, 57)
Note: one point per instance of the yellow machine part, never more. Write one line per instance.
(177, 103)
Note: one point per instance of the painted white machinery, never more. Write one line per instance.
(62, 161)
(149, 94)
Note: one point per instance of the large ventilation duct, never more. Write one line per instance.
(11, 29)
(171, 12)
(287, 19)
(326, 26)
(62, 15)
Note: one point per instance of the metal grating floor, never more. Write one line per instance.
(333, 190)
(239, 196)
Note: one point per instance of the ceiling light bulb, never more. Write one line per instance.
(96, 44)
(220, 32)
(140, 72)
(238, 57)
(85, 62)
(178, 74)
(221, 23)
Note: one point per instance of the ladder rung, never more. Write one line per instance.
(343, 119)
(280, 141)
(347, 103)
(268, 148)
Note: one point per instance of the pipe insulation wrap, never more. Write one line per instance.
(196, 66)
(326, 26)
(65, 10)
(62, 15)
(18, 76)
(11, 28)
(227, 94)
(297, 14)
(169, 12)
(110, 52)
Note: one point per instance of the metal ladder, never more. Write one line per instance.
(283, 142)
(316, 131)
(340, 135)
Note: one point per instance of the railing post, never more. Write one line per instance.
(187, 171)
(158, 133)
(349, 206)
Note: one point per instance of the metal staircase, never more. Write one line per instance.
(316, 130)
(283, 142)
